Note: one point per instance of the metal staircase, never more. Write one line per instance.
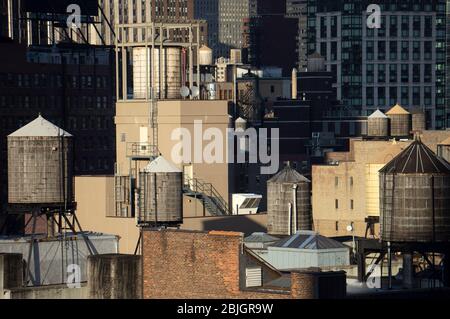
(210, 197)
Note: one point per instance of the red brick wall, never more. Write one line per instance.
(185, 264)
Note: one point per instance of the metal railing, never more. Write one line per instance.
(142, 150)
(209, 191)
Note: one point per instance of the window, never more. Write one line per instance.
(336, 181)
(337, 226)
(336, 203)
(123, 137)
(351, 204)
(351, 181)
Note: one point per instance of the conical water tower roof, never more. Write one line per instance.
(205, 48)
(417, 159)
(40, 127)
(377, 115)
(288, 175)
(397, 110)
(161, 165)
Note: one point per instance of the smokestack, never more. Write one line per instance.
(294, 84)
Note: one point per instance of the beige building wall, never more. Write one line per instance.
(132, 117)
(95, 197)
(347, 192)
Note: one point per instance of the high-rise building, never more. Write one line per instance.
(403, 61)
(298, 9)
(142, 11)
(271, 36)
(208, 10)
(258, 27)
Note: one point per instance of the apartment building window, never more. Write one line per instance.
(336, 203)
(336, 181)
(393, 95)
(336, 226)
(351, 204)
(351, 181)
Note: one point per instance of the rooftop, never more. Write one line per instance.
(308, 240)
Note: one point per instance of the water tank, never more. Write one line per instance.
(161, 198)
(418, 120)
(316, 63)
(444, 149)
(400, 121)
(40, 158)
(282, 189)
(415, 197)
(378, 124)
(205, 55)
(168, 87)
(241, 124)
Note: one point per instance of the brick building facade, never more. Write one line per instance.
(198, 265)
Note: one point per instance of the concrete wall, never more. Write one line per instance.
(95, 197)
(48, 292)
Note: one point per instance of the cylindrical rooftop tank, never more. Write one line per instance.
(444, 149)
(161, 198)
(241, 124)
(169, 68)
(282, 189)
(415, 197)
(316, 63)
(114, 276)
(378, 125)
(206, 55)
(400, 121)
(40, 164)
(418, 120)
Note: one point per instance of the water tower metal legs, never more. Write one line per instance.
(389, 255)
(408, 270)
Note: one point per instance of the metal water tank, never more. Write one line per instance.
(415, 197)
(400, 121)
(205, 56)
(161, 193)
(168, 87)
(169, 68)
(378, 125)
(444, 149)
(40, 164)
(288, 203)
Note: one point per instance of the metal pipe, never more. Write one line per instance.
(289, 220)
(295, 212)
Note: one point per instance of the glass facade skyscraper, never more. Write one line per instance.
(403, 61)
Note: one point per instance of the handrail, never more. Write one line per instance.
(141, 149)
(209, 190)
